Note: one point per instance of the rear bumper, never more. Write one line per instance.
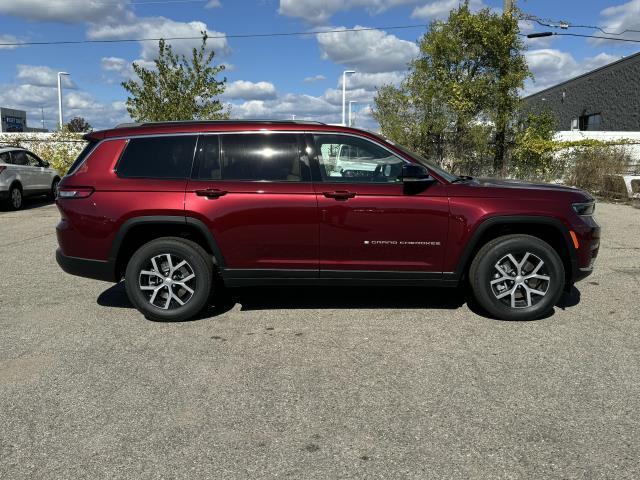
(88, 268)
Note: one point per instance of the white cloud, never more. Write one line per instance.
(372, 81)
(619, 18)
(156, 27)
(35, 91)
(8, 39)
(242, 89)
(552, 66)
(314, 79)
(318, 12)
(367, 51)
(213, 4)
(64, 11)
(42, 76)
(437, 9)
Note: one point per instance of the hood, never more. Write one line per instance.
(520, 184)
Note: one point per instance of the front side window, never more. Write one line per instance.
(158, 157)
(262, 157)
(344, 158)
(32, 161)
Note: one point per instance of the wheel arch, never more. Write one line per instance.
(137, 231)
(550, 230)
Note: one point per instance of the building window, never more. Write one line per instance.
(591, 122)
(574, 123)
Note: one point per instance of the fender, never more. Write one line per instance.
(164, 219)
(510, 220)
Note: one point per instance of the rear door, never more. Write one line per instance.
(254, 192)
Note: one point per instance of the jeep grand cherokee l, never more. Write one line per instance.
(170, 207)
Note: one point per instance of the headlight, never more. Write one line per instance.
(584, 209)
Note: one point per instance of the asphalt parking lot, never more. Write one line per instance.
(315, 383)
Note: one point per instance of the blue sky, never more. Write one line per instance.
(267, 77)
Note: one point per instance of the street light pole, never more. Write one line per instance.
(344, 95)
(60, 98)
(351, 102)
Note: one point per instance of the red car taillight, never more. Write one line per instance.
(2, 168)
(75, 192)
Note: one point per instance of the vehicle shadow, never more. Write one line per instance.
(297, 297)
(338, 298)
(29, 203)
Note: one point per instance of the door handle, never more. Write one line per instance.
(211, 193)
(339, 194)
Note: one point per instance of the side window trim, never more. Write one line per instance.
(317, 153)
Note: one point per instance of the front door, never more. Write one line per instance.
(369, 220)
(254, 192)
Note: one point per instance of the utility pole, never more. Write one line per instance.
(508, 7)
(351, 102)
(60, 98)
(344, 95)
(42, 112)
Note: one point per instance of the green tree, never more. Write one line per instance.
(463, 86)
(178, 88)
(78, 125)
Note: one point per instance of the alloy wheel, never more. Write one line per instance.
(16, 198)
(167, 281)
(520, 282)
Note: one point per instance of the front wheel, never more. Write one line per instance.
(517, 277)
(169, 279)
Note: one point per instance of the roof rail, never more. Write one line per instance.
(216, 122)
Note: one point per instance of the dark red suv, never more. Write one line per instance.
(171, 207)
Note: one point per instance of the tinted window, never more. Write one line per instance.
(351, 159)
(207, 165)
(83, 154)
(5, 157)
(32, 161)
(157, 157)
(275, 157)
(19, 157)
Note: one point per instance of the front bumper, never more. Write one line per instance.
(88, 268)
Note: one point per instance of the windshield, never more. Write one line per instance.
(430, 164)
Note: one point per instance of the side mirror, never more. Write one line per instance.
(412, 173)
(46, 164)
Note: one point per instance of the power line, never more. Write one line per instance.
(545, 22)
(248, 35)
(550, 34)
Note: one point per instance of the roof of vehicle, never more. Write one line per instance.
(196, 126)
(9, 148)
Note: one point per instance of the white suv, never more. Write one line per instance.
(22, 174)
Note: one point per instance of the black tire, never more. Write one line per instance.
(517, 287)
(198, 262)
(54, 189)
(16, 198)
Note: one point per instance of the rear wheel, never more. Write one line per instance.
(15, 197)
(169, 279)
(517, 277)
(54, 189)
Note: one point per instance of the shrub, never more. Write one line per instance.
(594, 168)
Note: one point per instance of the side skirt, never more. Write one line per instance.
(276, 277)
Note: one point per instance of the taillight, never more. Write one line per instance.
(2, 168)
(75, 192)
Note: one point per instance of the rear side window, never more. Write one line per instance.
(254, 157)
(81, 158)
(5, 157)
(157, 157)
